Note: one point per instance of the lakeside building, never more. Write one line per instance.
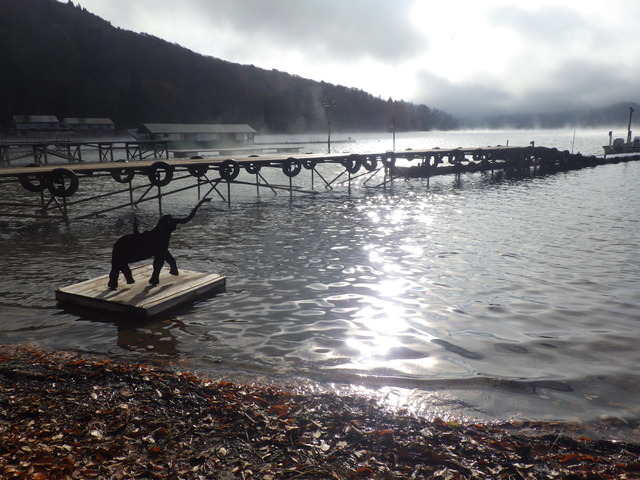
(98, 126)
(198, 135)
(26, 124)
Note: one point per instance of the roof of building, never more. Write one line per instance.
(35, 119)
(197, 128)
(90, 121)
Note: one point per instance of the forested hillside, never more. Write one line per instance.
(57, 58)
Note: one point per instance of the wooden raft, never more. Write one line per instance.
(140, 299)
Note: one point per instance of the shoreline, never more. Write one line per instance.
(65, 415)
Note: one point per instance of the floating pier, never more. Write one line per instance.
(244, 150)
(153, 179)
(141, 300)
(41, 151)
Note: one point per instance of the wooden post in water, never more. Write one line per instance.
(160, 199)
(290, 188)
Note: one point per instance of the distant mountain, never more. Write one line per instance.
(616, 115)
(57, 58)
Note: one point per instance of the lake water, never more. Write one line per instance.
(481, 298)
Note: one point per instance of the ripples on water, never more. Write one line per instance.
(482, 296)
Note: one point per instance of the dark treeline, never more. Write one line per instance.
(59, 59)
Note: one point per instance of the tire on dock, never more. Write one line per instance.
(33, 183)
(62, 182)
(229, 170)
(252, 167)
(370, 163)
(309, 163)
(123, 175)
(389, 159)
(291, 167)
(352, 163)
(198, 170)
(155, 176)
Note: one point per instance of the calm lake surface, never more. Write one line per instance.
(481, 297)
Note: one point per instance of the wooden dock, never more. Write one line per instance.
(240, 150)
(153, 179)
(141, 300)
(40, 151)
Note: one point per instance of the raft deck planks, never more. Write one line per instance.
(140, 299)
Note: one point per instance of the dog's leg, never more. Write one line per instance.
(158, 262)
(127, 274)
(113, 277)
(172, 263)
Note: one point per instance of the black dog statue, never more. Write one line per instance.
(140, 246)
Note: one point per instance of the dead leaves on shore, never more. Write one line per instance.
(67, 417)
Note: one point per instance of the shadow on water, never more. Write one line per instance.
(136, 334)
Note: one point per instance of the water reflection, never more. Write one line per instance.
(153, 335)
(498, 292)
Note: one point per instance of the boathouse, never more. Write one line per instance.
(198, 135)
(25, 124)
(97, 126)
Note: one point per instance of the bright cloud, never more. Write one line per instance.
(463, 56)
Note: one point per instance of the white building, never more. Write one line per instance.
(198, 135)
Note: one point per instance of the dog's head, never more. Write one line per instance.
(167, 224)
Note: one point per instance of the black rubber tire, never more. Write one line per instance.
(370, 163)
(389, 159)
(33, 183)
(123, 175)
(252, 167)
(56, 182)
(352, 163)
(229, 170)
(291, 167)
(156, 179)
(309, 163)
(198, 170)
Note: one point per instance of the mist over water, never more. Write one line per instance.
(480, 297)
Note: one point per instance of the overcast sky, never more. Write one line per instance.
(462, 56)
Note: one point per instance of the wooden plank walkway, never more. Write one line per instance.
(55, 184)
(141, 300)
(276, 160)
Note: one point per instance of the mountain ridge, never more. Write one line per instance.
(66, 61)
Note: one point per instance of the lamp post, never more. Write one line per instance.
(393, 130)
(631, 110)
(327, 105)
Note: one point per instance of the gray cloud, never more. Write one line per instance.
(465, 57)
(549, 25)
(317, 29)
(358, 28)
(572, 85)
(566, 59)
(461, 99)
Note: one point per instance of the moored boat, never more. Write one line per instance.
(619, 145)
